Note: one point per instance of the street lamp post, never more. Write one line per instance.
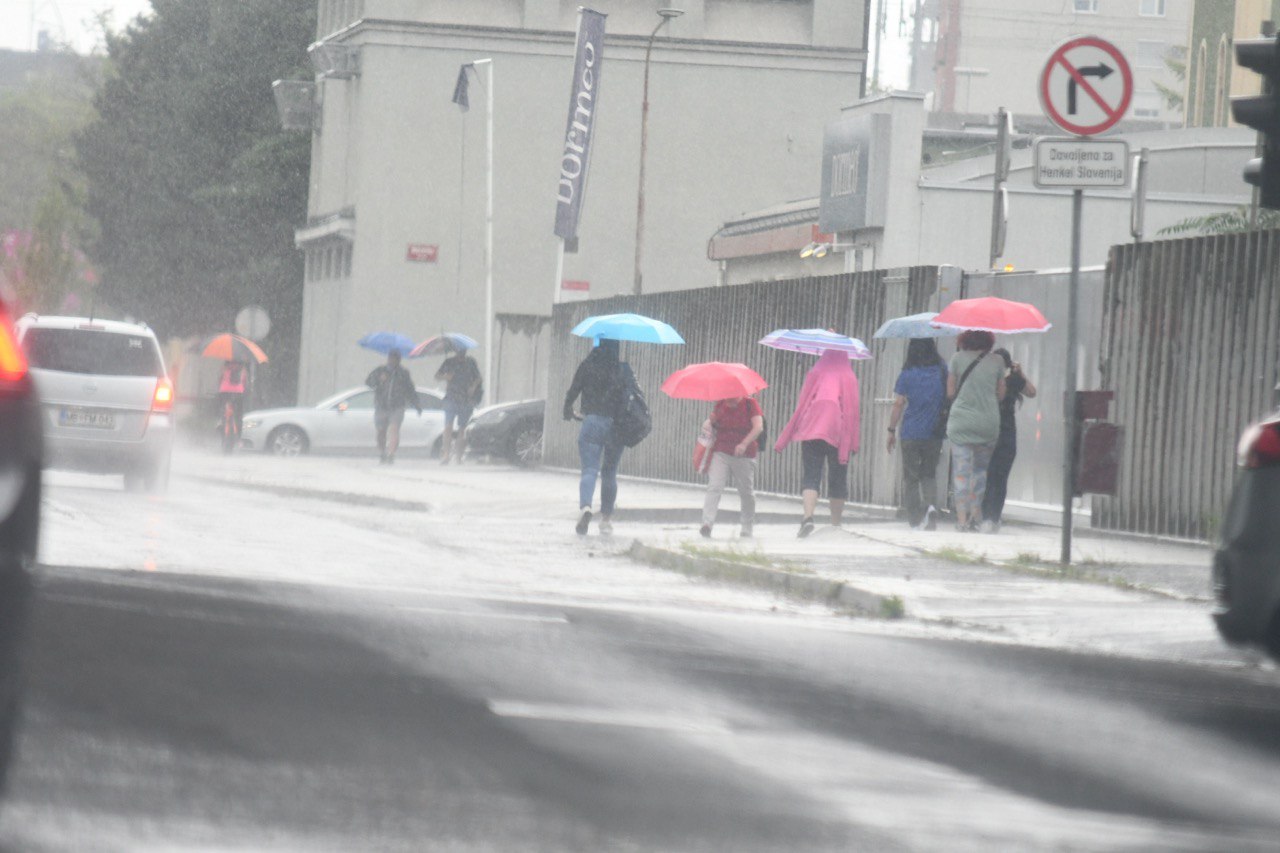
(664, 16)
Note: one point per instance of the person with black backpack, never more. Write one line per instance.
(738, 423)
(614, 417)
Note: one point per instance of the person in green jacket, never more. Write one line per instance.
(975, 387)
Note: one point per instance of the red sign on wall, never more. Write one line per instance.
(426, 253)
(569, 284)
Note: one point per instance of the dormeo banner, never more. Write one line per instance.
(580, 128)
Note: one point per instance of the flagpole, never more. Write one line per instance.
(488, 231)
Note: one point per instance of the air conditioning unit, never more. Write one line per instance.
(331, 59)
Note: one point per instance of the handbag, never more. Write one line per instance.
(702, 447)
(944, 411)
(633, 422)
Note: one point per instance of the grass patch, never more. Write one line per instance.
(892, 607)
(1029, 558)
(741, 557)
(957, 555)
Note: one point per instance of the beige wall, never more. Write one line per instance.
(732, 127)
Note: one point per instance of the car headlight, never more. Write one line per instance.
(252, 423)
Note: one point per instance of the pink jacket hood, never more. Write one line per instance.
(828, 407)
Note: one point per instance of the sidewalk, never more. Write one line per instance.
(1146, 598)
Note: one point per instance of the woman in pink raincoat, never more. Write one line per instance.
(826, 425)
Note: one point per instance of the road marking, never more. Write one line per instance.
(475, 614)
(595, 716)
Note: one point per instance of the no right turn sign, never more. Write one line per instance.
(1086, 86)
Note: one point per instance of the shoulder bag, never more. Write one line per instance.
(944, 411)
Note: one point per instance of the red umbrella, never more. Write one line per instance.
(713, 380)
(992, 314)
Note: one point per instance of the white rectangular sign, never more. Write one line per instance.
(1079, 163)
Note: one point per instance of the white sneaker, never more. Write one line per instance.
(989, 527)
(606, 526)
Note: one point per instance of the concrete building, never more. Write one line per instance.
(943, 214)
(1212, 75)
(974, 56)
(739, 93)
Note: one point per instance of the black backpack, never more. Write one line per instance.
(632, 422)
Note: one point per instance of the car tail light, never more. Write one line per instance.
(163, 399)
(1260, 445)
(13, 363)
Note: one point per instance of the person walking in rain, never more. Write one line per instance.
(918, 398)
(975, 386)
(233, 387)
(462, 392)
(601, 381)
(1016, 386)
(738, 422)
(826, 424)
(393, 392)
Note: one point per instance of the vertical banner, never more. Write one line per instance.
(580, 128)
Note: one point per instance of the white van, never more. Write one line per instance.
(106, 397)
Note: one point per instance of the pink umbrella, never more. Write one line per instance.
(713, 380)
(992, 314)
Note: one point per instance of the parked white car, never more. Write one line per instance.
(343, 422)
(106, 398)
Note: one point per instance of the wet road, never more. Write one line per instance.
(338, 692)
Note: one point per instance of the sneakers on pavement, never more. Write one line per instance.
(930, 519)
(606, 526)
(806, 527)
(989, 527)
(583, 523)
(705, 530)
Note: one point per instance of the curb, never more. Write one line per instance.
(800, 587)
(349, 498)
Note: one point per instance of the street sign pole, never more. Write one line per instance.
(1069, 403)
(1080, 95)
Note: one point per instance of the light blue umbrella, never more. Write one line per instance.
(628, 327)
(385, 342)
(815, 342)
(915, 326)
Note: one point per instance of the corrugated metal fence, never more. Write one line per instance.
(1191, 341)
(724, 324)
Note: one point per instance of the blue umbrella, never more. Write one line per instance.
(628, 327)
(815, 342)
(385, 342)
(444, 343)
(915, 326)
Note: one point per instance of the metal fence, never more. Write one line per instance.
(724, 324)
(1191, 342)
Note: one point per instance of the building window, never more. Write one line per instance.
(1089, 6)
(1147, 104)
(1150, 54)
(1151, 8)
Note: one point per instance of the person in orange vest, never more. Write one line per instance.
(232, 388)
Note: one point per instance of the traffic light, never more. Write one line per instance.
(1262, 112)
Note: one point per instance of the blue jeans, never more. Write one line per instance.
(600, 458)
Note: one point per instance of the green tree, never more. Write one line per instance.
(47, 265)
(1227, 222)
(195, 187)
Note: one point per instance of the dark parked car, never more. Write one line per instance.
(508, 430)
(1246, 567)
(21, 458)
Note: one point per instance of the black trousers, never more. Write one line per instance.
(998, 475)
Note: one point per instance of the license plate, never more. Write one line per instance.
(87, 418)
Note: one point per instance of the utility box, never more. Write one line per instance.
(1097, 444)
